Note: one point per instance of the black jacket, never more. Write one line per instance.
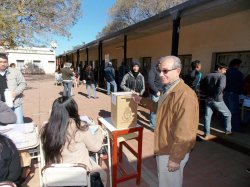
(154, 81)
(215, 85)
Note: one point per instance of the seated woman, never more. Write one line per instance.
(10, 167)
(66, 139)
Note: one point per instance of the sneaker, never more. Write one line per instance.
(248, 170)
(206, 137)
(228, 133)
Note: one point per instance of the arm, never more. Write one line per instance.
(151, 80)
(197, 80)
(123, 83)
(143, 86)
(7, 115)
(21, 84)
(93, 142)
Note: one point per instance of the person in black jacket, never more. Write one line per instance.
(133, 81)
(10, 166)
(109, 74)
(90, 81)
(156, 87)
(215, 85)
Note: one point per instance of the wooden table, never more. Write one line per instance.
(120, 136)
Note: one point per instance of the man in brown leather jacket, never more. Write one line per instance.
(177, 118)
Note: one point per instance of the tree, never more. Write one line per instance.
(128, 12)
(25, 22)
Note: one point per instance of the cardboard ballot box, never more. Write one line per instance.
(123, 110)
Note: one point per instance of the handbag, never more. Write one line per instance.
(95, 179)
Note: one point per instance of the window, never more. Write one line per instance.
(186, 63)
(227, 57)
(19, 64)
(51, 61)
(37, 63)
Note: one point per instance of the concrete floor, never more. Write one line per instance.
(211, 164)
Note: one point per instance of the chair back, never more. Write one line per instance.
(7, 184)
(65, 175)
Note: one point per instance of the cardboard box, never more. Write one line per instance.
(123, 110)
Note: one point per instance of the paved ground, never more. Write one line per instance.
(211, 163)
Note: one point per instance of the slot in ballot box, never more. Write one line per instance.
(123, 110)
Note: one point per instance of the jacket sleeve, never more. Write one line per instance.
(143, 86)
(93, 142)
(221, 85)
(21, 83)
(123, 83)
(7, 115)
(151, 80)
(185, 127)
(149, 104)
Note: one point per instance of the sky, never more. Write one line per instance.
(93, 20)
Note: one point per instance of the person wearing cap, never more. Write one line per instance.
(134, 81)
(109, 74)
(67, 73)
(13, 80)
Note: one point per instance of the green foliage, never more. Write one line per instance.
(24, 22)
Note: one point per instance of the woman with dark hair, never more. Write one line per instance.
(66, 139)
(10, 166)
(90, 81)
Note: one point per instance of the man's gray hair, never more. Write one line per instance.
(177, 61)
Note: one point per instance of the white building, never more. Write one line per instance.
(44, 58)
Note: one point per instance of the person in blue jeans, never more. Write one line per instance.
(109, 74)
(232, 92)
(13, 80)
(156, 87)
(215, 85)
(90, 81)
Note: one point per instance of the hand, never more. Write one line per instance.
(136, 98)
(158, 93)
(13, 94)
(173, 166)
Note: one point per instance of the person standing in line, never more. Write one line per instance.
(12, 79)
(215, 84)
(232, 92)
(133, 81)
(177, 119)
(109, 74)
(67, 74)
(156, 87)
(13, 65)
(194, 76)
(90, 81)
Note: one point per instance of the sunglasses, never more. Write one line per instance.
(165, 71)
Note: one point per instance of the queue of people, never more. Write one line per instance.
(67, 139)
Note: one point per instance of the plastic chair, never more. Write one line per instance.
(65, 175)
(7, 184)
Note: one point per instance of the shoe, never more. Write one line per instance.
(206, 137)
(248, 170)
(228, 133)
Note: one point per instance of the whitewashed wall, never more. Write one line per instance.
(46, 56)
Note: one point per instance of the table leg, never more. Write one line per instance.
(114, 163)
(138, 178)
